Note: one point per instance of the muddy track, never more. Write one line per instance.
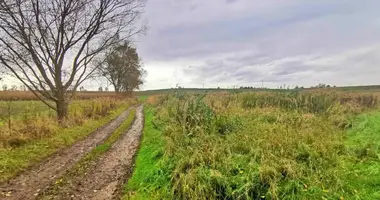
(28, 184)
(105, 176)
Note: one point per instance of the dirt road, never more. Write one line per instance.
(28, 184)
(104, 177)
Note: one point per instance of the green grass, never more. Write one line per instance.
(147, 179)
(14, 160)
(220, 148)
(361, 168)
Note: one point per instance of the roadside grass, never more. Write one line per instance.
(15, 160)
(148, 180)
(258, 146)
(361, 168)
(82, 166)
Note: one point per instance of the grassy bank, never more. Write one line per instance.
(13, 160)
(147, 179)
(259, 146)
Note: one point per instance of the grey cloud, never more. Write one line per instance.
(231, 1)
(296, 28)
(279, 71)
(256, 35)
(291, 68)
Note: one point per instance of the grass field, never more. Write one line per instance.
(264, 145)
(218, 144)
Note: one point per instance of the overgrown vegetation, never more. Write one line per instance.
(22, 126)
(34, 135)
(307, 145)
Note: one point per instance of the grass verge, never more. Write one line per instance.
(82, 166)
(15, 160)
(148, 179)
(361, 169)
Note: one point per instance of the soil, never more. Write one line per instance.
(29, 183)
(105, 176)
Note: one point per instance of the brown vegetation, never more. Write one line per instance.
(28, 126)
(27, 95)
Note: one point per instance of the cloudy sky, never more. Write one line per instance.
(244, 42)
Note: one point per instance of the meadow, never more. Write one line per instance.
(215, 144)
(314, 144)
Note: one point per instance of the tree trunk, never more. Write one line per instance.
(62, 110)
(62, 106)
(117, 90)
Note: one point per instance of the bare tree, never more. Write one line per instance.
(51, 45)
(123, 68)
(22, 88)
(14, 88)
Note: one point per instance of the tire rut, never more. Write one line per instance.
(104, 177)
(27, 184)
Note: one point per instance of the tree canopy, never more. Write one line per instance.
(123, 68)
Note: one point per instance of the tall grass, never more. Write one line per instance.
(257, 146)
(32, 124)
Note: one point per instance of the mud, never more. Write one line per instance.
(28, 184)
(104, 178)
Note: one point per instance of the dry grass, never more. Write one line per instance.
(27, 126)
(27, 95)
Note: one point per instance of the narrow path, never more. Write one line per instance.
(28, 184)
(105, 177)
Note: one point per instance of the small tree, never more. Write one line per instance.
(22, 88)
(5, 87)
(122, 68)
(14, 88)
(321, 85)
(100, 89)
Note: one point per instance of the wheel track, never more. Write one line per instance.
(27, 184)
(105, 176)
